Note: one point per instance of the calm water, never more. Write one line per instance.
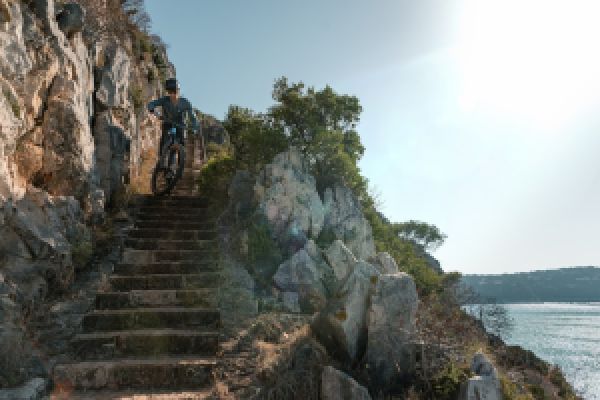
(566, 334)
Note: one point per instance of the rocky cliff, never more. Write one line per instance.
(72, 132)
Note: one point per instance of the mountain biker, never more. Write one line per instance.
(174, 110)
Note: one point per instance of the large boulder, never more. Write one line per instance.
(342, 325)
(345, 220)
(391, 328)
(307, 275)
(485, 384)
(287, 197)
(336, 385)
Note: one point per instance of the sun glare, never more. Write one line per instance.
(530, 59)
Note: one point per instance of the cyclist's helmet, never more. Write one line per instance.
(171, 85)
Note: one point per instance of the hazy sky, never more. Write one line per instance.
(479, 117)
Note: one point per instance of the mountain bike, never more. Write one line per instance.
(170, 164)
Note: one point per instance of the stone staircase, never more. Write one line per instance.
(157, 328)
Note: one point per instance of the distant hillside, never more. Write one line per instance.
(561, 285)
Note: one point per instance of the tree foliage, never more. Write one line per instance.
(424, 235)
(321, 123)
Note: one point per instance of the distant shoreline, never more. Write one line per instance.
(563, 285)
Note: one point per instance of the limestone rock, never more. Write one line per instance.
(485, 385)
(391, 327)
(341, 259)
(336, 385)
(344, 217)
(287, 197)
(385, 263)
(481, 365)
(342, 325)
(113, 78)
(305, 274)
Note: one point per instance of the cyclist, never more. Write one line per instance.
(174, 110)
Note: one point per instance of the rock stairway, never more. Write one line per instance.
(157, 327)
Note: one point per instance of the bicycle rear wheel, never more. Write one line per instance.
(163, 181)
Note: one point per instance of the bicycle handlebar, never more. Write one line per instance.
(162, 118)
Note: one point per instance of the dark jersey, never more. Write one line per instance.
(174, 113)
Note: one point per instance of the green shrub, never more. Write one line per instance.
(445, 385)
(215, 179)
(326, 238)
(137, 98)
(510, 391)
(81, 253)
(264, 255)
(537, 392)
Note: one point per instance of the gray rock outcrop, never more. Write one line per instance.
(344, 217)
(391, 326)
(287, 197)
(342, 325)
(485, 384)
(71, 135)
(336, 385)
(307, 275)
(385, 263)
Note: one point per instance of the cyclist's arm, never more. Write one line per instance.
(193, 119)
(154, 103)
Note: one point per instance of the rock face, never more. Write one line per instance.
(71, 136)
(286, 195)
(485, 385)
(391, 327)
(385, 264)
(342, 325)
(306, 275)
(336, 385)
(343, 216)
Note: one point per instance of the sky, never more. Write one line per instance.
(479, 117)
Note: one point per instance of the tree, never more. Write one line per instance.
(321, 123)
(255, 140)
(428, 237)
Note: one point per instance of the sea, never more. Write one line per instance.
(565, 334)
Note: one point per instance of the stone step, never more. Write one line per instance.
(206, 297)
(133, 256)
(174, 234)
(145, 343)
(170, 201)
(188, 210)
(166, 268)
(122, 283)
(179, 225)
(162, 373)
(172, 217)
(155, 394)
(168, 244)
(151, 318)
